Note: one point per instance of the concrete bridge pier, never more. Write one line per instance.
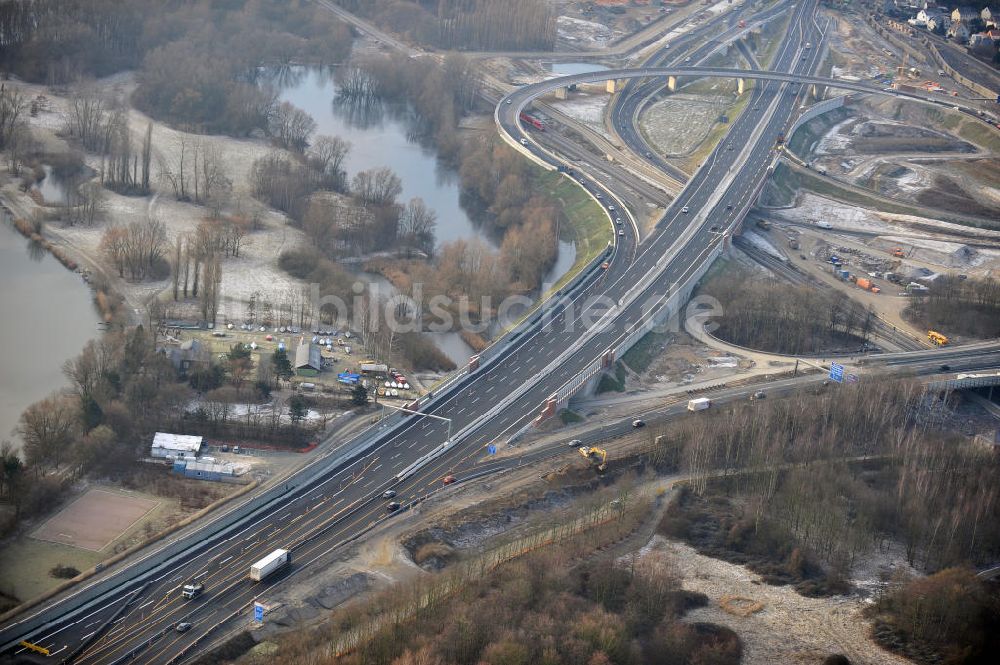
(561, 93)
(818, 92)
(672, 83)
(612, 86)
(741, 86)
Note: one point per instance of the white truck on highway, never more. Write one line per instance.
(699, 404)
(274, 561)
(192, 590)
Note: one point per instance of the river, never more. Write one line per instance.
(380, 137)
(49, 317)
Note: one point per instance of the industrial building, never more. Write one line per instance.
(174, 446)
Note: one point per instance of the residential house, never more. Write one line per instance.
(939, 22)
(964, 14)
(187, 355)
(959, 32)
(989, 37)
(925, 16)
(990, 16)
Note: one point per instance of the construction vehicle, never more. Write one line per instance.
(763, 224)
(597, 456)
(936, 338)
(898, 252)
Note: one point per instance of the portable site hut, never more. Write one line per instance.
(204, 470)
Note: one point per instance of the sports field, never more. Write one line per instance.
(95, 520)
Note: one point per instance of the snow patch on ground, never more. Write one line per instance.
(586, 108)
(748, 263)
(812, 208)
(911, 181)
(834, 141)
(789, 628)
(256, 269)
(763, 244)
(942, 252)
(587, 34)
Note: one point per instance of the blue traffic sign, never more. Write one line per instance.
(258, 612)
(836, 372)
(492, 449)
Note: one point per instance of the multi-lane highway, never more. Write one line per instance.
(136, 618)
(490, 404)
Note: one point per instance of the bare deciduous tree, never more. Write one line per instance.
(291, 127)
(416, 227)
(378, 187)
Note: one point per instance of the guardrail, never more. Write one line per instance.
(366, 441)
(815, 111)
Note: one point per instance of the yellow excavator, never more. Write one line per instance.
(597, 456)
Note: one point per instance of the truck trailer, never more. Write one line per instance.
(274, 561)
(699, 404)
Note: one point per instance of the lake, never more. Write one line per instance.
(48, 319)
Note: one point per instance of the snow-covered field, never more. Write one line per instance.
(789, 628)
(255, 270)
(586, 108)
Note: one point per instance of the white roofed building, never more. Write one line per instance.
(172, 446)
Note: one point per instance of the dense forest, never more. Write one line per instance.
(959, 306)
(949, 617)
(196, 60)
(481, 25)
(838, 475)
(542, 608)
(765, 314)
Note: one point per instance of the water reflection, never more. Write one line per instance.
(35, 250)
(48, 318)
(52, 188)
(362, 111)
(381, 135)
